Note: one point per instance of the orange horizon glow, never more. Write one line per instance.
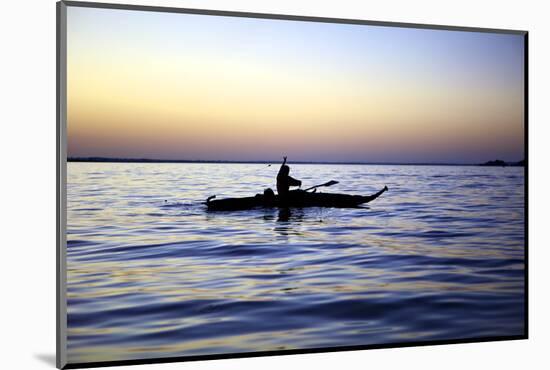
(174, 86)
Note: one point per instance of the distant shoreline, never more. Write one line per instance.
(150, 160)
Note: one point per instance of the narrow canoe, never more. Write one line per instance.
(295, 199)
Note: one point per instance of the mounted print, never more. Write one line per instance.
(236, 184)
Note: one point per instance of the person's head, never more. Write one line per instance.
(269, 194)
(285, 170)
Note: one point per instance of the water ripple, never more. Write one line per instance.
(152, 274)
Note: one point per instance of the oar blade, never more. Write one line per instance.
(330, 183)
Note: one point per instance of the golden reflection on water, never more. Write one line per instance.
(241, 343)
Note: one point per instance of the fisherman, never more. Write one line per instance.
(285, 181)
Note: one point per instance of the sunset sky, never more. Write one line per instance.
(178, 86)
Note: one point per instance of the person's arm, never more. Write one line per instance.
(293, 182)
(284, 162)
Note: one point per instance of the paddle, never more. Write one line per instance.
(330, 183)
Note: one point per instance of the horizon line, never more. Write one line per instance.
(95, 159)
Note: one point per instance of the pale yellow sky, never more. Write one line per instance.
(178, 86)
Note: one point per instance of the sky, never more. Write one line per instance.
(197, 87)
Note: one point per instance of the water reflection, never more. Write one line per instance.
(289, 222)
(285, 215)
(151, 274)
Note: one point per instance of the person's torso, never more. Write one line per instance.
(282, 184)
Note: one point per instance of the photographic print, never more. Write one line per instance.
(244, 184)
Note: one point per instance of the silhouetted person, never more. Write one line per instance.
(284, 181)
(269, 197)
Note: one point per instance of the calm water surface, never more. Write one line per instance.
(152, 274)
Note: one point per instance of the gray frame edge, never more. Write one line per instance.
(61, 185)
(286, 17)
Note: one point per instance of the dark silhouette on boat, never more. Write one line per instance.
(285, 181)
(295, 198)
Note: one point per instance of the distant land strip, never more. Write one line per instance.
(495, 163)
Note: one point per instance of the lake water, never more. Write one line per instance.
(151, 273)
